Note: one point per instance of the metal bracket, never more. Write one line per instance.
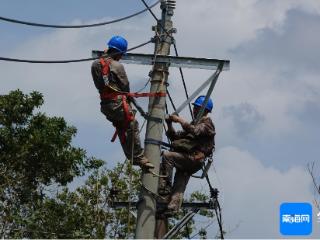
(184, 62)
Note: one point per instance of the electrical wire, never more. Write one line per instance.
(64, 61)
(205, 228)
(183, 81)
(217, 208)
(77, 26)
(149, 9)
(171, 101)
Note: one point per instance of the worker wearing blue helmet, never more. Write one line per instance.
(190, 147)
(111, 81)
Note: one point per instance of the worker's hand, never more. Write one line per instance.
(168, 120)
(175, 118)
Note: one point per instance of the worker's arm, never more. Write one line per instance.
(96, 75)
(204, 128)
(122, 80)
(171, 132)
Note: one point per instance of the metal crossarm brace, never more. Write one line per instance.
(213, 83)
(172, 61)
(181, 224)
(212, 79)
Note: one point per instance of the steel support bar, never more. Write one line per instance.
(213, 83)
(185, 205)
(181, 224)
(172, 61)
(212, 78)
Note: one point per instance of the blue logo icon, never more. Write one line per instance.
(296, 219)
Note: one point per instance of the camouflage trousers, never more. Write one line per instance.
(113, 110)
(186, 165)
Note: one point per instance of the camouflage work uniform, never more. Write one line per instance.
(117, 80)
(191, 146)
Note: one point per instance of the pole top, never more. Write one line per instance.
(168, 6)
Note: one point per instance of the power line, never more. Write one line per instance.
(205, 228)
(149, 9)
(76, 26)
(171, 101)
(64, 61)
(183, 81)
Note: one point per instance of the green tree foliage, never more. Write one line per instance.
(87, 211)
(37, 160)
(35, 152)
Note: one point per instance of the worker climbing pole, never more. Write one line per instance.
(147, 207)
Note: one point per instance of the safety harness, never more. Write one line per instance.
(112, 94)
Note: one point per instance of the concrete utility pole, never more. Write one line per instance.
(147, 206)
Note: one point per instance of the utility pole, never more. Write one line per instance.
(147, 207)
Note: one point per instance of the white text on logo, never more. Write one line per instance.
(296, 218)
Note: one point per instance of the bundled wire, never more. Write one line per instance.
(77, 26)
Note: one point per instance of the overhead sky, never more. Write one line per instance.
(266, 111)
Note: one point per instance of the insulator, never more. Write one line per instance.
(171, 4)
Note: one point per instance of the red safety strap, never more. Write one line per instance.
(128, 115)
(105, 66)
(113, 95)
(128, 118)
(106, 94)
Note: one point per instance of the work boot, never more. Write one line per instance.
(143, 163)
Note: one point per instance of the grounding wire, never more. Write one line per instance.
(77, 26)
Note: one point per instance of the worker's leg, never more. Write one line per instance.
(185, 167)
(132, 145)
(128, 132)
(113, 110)
(181, 180)
(166, 168)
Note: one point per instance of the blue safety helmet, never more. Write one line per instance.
(200, 100)
(119, 43)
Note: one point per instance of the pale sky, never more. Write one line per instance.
(266, 107)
